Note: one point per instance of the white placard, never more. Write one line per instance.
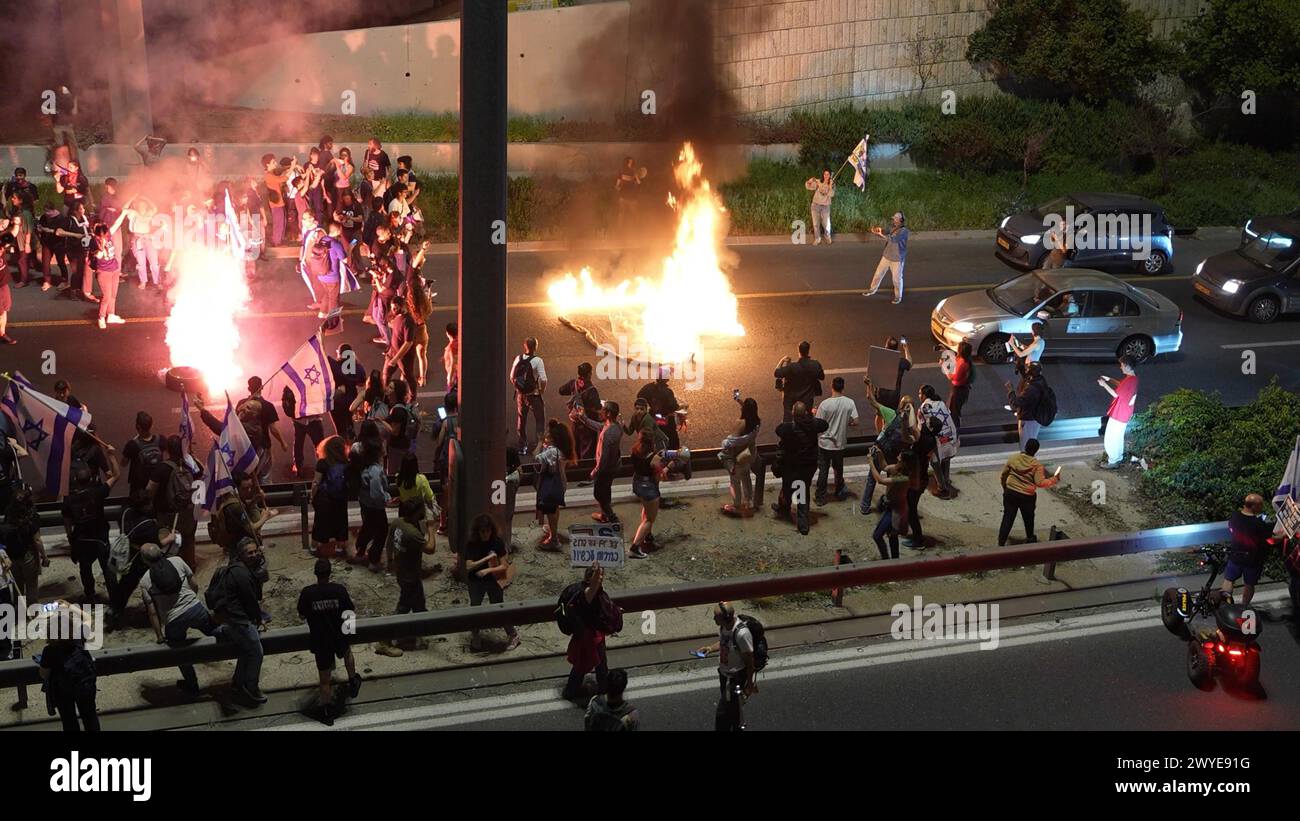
(596, 543)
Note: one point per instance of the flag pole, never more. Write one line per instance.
(9, 379)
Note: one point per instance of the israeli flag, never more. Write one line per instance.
(308, 375)
(44, 431)
(1289, 488)
(347, 278)
(219, 481)
(236, 234)
(858, 159)
(237, 449)
(187, 424)
(307, 241)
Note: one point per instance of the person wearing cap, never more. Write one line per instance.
(894, 258)
(327, 608)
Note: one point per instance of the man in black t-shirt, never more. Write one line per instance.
(800, 380)
(327, 608)
(86, 525)
(142, 454)
(399, 361)
(1251, 539)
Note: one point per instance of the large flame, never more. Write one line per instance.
(692, 296)
(209, 293)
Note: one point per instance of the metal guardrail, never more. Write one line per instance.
(282, 494)
(113, 661)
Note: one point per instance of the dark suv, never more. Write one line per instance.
(1260, 280)
(1111, 232)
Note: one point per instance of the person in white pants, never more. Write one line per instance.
(823, 191)
(894, 258)
(1124, 392)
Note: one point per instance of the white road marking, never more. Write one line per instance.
(535, 702)
(863, 369)
(1244, 345)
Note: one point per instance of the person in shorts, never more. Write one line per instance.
(328, 610)
(1251, 538)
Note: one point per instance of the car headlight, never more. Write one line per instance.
(1031, 239)
(1231, 286)
(965, 327)
(1004, 222)
(1199, 267)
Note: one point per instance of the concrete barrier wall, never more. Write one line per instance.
(582, 62)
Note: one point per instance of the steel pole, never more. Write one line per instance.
(482, 273)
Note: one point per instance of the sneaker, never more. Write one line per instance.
(868, 293)
(254, 695)
(102, 324)
(8, 340)
(90, 297)
(379, 340)
(354, 686)
(320, 315)
(908, 542)
(114, 319)
(730, 510)
(898, 302)
(637, 553)
(45, 286)
(513, 643)
(315, 306)
(386, 649)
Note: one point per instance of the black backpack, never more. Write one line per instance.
(77, 675)
(149, 457)
(758, 634)
(1046, 410)
(179, 495)
(165, 578)
(216, 596)
(568, 615)
(82, 505)
(524, 377)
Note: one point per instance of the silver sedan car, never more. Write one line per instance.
(1087, 314)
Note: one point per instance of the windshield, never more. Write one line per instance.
(1022, 294)
(1271, 249)
(1058, 206)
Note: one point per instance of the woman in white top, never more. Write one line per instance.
(946, 438)
(554, 454)
(1031, 352)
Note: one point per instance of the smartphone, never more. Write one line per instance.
(735, 394)
(1058, 471)
(442, 413)
(49, 607)
(1009, 348)
(699, 654)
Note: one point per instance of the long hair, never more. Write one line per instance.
(417, 297)
(644, 445)
(409, 470)
(562, 439)
(479, 522)
(749, 413)
(22, 508)
(332, 450)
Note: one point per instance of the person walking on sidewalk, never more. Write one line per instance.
(528, 377)
(840, 413)
(326, 607)
(1022, 476)
(1124, 393)
(823, 191)
(894, 258)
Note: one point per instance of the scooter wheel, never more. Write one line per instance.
(1169, 613)
(1199, 670)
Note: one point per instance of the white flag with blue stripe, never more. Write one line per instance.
(45, 427)
(1289, 487)
(237, 456)
(219, 481)
(347, 279)
(308, 375)
(187, 424)
(858, 159)
(236, 233)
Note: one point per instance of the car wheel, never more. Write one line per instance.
(1141, 348)
(1156, 263)
(993, 350)
(1264, 309)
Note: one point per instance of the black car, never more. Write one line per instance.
(1112, 232)
(1260, 279)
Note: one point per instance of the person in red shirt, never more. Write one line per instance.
(960, 379)
(1124, 392)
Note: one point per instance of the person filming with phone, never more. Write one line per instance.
(798, 380)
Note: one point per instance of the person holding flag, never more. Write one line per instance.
(308, 394)
(823, 190)
(1286, 502)
(45, 427)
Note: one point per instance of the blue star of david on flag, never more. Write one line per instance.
(308, 376)
(312, 375)
(39, 429)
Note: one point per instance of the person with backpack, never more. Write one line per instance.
(326, 606)
(329, 499)
(1034, 403)
(798, 463)
(739, 660)
(258, 417)
(611, 713)
(303, 427)
(171, 598)
(86, 525)
(142, 455)
(373, 497)
(1022, 476)
(580, 616)
(172, 489)
(234, 596)
(528, 377)
(403, 422)
(487, 564)
(137, 528)
(68, 670)
(230, 521)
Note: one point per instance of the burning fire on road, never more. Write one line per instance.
(670, 314)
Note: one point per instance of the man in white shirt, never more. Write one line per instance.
(736, 666)
(840, 413)
(823, 191)
(529, 383)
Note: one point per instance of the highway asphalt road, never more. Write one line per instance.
(1100, 669)
(787, 293)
